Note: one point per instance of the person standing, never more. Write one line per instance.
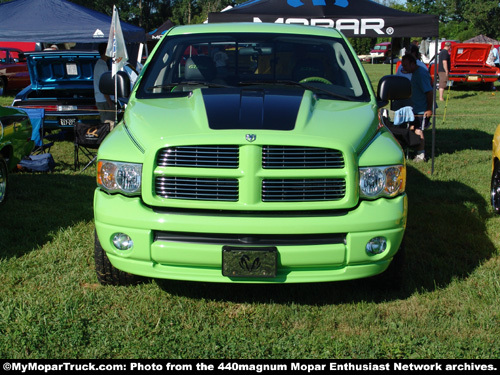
(495, 56)
(421, 99)
(103, 102)
(444, 69)
(414, 51)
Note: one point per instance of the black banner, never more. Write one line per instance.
(230, 366)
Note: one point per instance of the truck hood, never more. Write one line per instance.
(469, 54)
(61, 70)
(271, 115)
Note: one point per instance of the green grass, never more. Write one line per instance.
(51, 305)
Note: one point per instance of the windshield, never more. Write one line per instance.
(185, 62)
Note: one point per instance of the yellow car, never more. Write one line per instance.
(495, 172)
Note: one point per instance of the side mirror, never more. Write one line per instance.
(393, 88)
(107, 84)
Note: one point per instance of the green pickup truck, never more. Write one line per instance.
(250, 153)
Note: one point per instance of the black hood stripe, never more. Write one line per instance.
(252, 109)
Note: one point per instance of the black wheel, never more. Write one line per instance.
(107, 274)
(392, 278)
(395, 271)
(495, 189)
(4, 174)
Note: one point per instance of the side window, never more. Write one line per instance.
(14, 55)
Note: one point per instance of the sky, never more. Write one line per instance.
(400, 1)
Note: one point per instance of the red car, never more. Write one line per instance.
(468, 64)
(381, 51)
(14, 73)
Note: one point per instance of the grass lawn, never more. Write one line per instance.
(51, 305)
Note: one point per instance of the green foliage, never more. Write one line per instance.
(456, 30)
(474, 16)
(363, 46)
(52, 307)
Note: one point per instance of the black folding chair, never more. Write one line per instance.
(88, 138)
(403, 134)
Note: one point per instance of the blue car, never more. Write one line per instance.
(62, 84)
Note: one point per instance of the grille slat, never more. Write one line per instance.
(302, 190)
(199, 157)
(210, 189)
(291, 157)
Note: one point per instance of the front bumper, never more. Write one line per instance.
(192, 258)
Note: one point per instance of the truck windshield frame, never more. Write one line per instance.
(183, 63)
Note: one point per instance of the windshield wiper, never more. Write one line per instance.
(203, 83)
(171, 86)
(306, 86)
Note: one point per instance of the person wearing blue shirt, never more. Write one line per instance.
(496, 56)
(414, 51)
(421, 99)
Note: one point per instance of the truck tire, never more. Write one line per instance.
(4, 174)
(107, 274)
(393, 277)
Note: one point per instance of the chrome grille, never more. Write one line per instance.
(208, 189)
(291, 157)
(302, 190)
(199, 157)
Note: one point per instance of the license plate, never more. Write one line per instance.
(67, 121)
(473, 78)
(249, 261)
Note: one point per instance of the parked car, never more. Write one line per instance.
(468, 65)
(15, 143)
(62, 84)
(14, 73)
(495, 172)
(381, 52)
(269, 167)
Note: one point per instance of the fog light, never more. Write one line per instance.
(376, 245)
(122, 241)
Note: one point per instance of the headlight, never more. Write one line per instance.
(375, 182)
(116, 177)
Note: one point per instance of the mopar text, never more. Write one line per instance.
(358, 26)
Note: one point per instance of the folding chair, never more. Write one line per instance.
(88, 138)
(36, 116)
(402, 132)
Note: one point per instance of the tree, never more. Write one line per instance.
(460, 19)
(196, 11)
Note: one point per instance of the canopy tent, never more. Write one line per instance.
(59, 21)
(482, 39)
(355, 18)
(160, 31)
